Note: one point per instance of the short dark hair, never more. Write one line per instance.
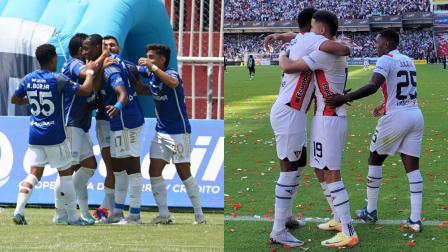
(111, 37)
(162, 50)
(45, 53)
(76, 43)
(391, 36)
(305, 16)
(329, 19)
(95, 39)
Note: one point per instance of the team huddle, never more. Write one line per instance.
(97, 78)
(315, 67)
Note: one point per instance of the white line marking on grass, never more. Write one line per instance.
(321, 220)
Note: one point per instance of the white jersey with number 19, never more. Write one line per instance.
(400, 86)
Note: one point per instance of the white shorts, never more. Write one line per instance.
(103, 133)
(327, 141)
(80, 144)
(125, 143)
(289, 126)
(168, 147)
(57, 156)
(399, 132)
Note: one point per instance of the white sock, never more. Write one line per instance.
(342, 206)
(193, 193)
(416, 190)
(373, 187)
(22, 198)
(158, 188)
(329, 201)
(284, 190)
(80, 180)
(68, 197)
(61, 210)
(135, 194)
(109, 198)
(121, 190)
(296, 182)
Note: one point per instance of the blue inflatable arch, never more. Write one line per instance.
(134, 23)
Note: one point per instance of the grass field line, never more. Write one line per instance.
(321, 220)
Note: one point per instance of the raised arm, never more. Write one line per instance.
(284, 37)
(167, 79)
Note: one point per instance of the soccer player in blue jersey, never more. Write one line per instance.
(43, 90)
(126, 121)
(172, 138)
(78, 116)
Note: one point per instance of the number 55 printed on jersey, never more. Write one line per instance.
(44, 105)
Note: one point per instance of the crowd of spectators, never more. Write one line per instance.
(417, 44)
(274, 10)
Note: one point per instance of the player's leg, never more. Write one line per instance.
(410, 152)
(291, 221)
(181, 159)
(85, 172)
(335, 222)
(133, 169)
(374, 176)
(348, 236)
(135, 188)
(184, 172)
(102, 129)
(411, 165)
(328, 139)
(117, 144)
(160, 154)
(26, 188)
(289, 148)
(158, 188)
(60, 157)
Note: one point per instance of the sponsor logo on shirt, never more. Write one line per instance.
(160, 98)
(42, 124)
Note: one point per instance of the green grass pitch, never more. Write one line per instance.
(42, 235)
(251, 167)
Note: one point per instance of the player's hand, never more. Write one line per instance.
(109, 61)
(111, 111)
(92, 65)
(379, 110)
(145, 62)
(105, 48)
(268, 40)
(336, 100)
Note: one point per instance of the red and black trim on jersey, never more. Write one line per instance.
(384, 90)
(299, 94)
(325, 90)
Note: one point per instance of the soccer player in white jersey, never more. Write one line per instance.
(329, 127)
(288, 120)
(44, 91)
(366, 63)
(172, 138)
(400, 128)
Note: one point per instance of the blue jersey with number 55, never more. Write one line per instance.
(44, 90)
